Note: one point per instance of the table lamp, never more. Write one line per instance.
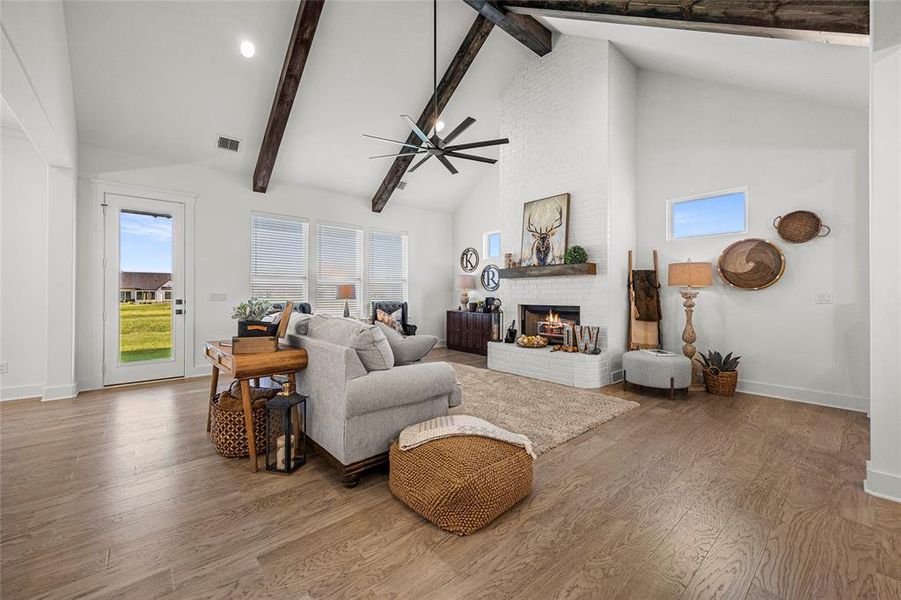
(690, 276)
(346, 292)
(464, 283)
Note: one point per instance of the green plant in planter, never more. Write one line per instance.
(716, 363)
(253, 309)
(575, 255)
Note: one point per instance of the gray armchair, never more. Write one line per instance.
(352, 414)
(390, 306)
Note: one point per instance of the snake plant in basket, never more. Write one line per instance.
(720, 372)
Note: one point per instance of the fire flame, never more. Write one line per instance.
(552, 317)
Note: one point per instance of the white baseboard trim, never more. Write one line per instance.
(20, 392)
(60, 392)
(882, 485)
(201, 371)
(441, 344)
(821, 398)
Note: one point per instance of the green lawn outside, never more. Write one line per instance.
(145, 331)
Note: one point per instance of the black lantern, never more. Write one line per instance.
(286, 437)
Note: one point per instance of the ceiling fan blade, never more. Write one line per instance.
(375, 137)
(496, 142)
(419, 164)
(490, 161)
(417, 130)
(446, 163)
(459, 129)
(396, 155)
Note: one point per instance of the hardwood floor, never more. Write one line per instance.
(119, 494)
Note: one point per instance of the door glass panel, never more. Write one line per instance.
(145, 287)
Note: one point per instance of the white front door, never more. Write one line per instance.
(144, 253)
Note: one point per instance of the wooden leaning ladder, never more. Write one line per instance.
(642, 334)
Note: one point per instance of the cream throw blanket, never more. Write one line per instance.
(442, 427)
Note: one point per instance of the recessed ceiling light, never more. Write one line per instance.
(247, 49)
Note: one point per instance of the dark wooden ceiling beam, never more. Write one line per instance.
(296, 58)
(523, 28)
(472, 43)
(824, 16)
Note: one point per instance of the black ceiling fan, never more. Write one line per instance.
(434, 145)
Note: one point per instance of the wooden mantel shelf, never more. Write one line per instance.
(587, 268)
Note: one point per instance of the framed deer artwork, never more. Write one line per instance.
(544, 231)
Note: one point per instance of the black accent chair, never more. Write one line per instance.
(390, 306)
(299, 307)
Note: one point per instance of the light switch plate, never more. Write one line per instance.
(4, 367)
(218, 297)
(822, 298)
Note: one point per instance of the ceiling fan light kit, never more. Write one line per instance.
(435, 145)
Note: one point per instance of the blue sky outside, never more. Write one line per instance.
(494, 244)
(145, 243)
(709, 216)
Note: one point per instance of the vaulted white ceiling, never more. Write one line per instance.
(163, 79)
(823, 72)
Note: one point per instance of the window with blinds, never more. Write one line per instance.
(387, 266)
(340, 259)
(278, 258)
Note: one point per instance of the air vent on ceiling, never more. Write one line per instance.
(227, 143)
(401, 185)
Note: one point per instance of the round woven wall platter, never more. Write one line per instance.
(751, 264)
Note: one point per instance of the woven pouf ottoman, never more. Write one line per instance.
(668, 371)
(460, 483)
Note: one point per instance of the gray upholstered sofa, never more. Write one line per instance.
(358, 400)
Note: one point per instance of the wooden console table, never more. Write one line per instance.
(468, 331)
(245, 367)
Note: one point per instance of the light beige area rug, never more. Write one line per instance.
(548, 413)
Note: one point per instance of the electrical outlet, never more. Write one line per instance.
(218, 297)
(4, 367)
(822, 298)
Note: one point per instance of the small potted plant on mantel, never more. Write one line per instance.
(720, 372)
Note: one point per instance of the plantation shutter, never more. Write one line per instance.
(278, 258)
(387, 266)
(340, 257)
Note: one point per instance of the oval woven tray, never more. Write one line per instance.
(751, 264)
(800, 226)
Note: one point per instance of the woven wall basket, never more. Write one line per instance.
(800, 226)
(751, 264)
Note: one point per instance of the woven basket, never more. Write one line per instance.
(721, 384)
(800, 226)
(227, 430)
(460, 483)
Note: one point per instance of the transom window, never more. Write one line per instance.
(716, 213)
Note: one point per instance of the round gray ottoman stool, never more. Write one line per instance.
(666, 371)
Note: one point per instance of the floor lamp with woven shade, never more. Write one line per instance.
(690, 276)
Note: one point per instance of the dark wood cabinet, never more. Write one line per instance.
(468, 331)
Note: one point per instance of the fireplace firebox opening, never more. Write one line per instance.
(547, 320)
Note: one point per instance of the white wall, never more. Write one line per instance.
(884, 466)
(36, 84)
(622, 152)
(222, 244)
(696, 137)
(23, 252)
(477, 215)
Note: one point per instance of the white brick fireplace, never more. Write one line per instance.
(556, 116)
